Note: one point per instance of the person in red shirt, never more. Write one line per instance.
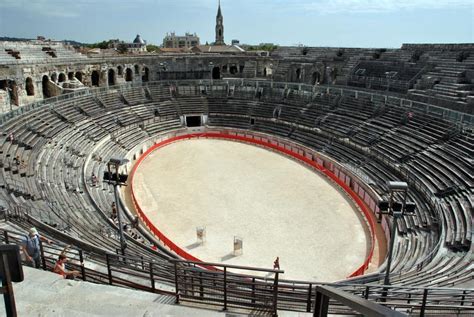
(60, 268)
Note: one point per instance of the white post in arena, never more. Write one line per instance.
(238, 246)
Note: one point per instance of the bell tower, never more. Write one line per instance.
(219, 27)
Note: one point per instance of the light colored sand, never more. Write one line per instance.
(278, 206)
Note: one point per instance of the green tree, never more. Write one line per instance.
(152, 48)
(122, 48)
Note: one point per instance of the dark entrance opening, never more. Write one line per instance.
(62, 78)
(233, 70)
(298, 74)
(45, 85)
(216, 73)
(111, 78)
(30, 87)
(95, 78)
(120, 70)
(128, 75)
(79, 76)
(146, 75)
(70, 75)
(316, 78)
(14, 93)
(193, 121)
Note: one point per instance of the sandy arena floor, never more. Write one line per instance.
(276, 205)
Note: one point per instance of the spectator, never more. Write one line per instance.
(94, 179)
(30, 244)
(135, 222)
(60, 268)
(114, 211)
(276, 263)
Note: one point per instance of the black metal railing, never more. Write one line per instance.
(230, 286)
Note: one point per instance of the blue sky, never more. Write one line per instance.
(349, 23)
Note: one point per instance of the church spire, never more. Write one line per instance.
(219, 27)
(219, 12)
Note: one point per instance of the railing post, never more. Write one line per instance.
(176, 282)
(109, 269)
(83, 269)
(5, 234)
(367, 291)
(308, 301)
(201, 288)
(463, 297)
(152, 279)
(43, 260)
(275, 295)
(7, 288)
(253, 290)
(225, 288)
(423, 303)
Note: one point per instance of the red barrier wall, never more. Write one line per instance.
(265, 143)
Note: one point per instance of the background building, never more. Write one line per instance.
(172, 40)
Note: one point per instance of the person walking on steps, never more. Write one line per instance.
(30, 245)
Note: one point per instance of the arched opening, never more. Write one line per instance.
(119, 70)
(316, 78)
(220, 33)
(146, 74)
(70, 75)
(95, 78)
(233, 70)
(54, 77)
(45, 85)
(111, 77)
(137, 70)
(62, 78)
(216, 73)
(30, 87)
(298, 73)
(128, 75)
(79, 76)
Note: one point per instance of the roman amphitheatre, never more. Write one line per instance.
(353, 166)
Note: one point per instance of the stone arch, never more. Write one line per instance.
(316, 78)
(146, 74)
(137, 69)
(120, 70)
(70, 75)
(30, 87)
(95, 78)
(54, 77)
(216, 73)
(45, 85)
(128, 74)
(111, 77)
(78, 76)
(61, 78)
